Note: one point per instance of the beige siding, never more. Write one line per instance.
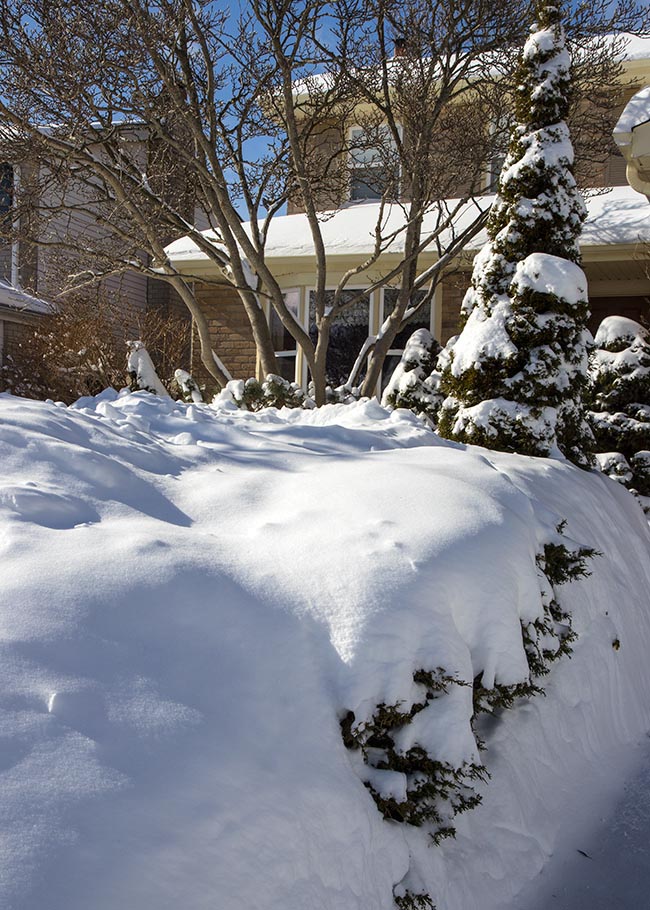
(324, 157)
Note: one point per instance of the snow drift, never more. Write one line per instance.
(193, 598)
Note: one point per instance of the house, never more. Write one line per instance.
(614, 258)
(632, 136)
(53, 232)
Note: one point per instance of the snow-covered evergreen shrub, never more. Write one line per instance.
(342, 394)
(415, 383)
(436, 791)
(273, 392)
(411, 901)
(619, 398)
(142, 373)
(548, 638)
(188, 386)
(514, 377)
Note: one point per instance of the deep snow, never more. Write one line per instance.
(191, 598)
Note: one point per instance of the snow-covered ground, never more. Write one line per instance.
(190, 601)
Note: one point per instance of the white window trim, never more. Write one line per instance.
(302, 319)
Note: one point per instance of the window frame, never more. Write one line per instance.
(352, 167)
(286, 353)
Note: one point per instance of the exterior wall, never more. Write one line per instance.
(637, 308)
(5, 261)
(327, 144)
(230, 331)
(324, 157)
(612, 171)
(453, 291)
(13, 332)
(162, 296)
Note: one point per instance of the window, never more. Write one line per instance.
(347, 335)
(422, 321)
(374, 167)
(284, 344)
(6, 191)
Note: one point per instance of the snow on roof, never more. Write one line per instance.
(637, 111)
(16, 299)
(636, 47)
(619, 216)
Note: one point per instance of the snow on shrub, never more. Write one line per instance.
(188, 386)
(273, 392)
(412, 785)
(514, 377)
(142, 373)
(619, 397)
(415, 381)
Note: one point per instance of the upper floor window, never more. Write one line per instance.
(6, 190)
(373, 163)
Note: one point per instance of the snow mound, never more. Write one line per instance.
(192, 599)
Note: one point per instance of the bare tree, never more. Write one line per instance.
(203, 81)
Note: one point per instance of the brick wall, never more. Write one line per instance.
(453, 291)
(232, 336)
(14, 333)
(637, 308)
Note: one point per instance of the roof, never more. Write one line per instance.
(15, 299)
(617, 217)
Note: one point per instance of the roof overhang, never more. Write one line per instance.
(617, 224)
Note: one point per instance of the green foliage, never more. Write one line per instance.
(619, 401)
(415, 382)
(500, 697)
(273, 392)
(548, 638)
(436, 791)
(188, 387)
(561, 565)
(411, 901)
(518, 385)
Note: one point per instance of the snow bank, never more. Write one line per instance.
(193, 597)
